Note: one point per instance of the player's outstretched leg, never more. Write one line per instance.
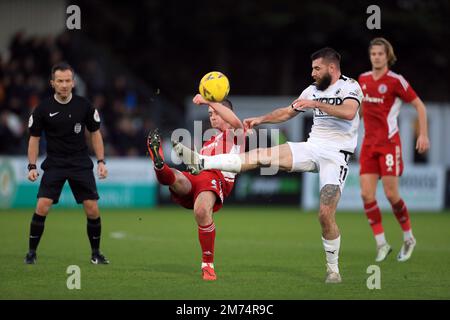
(196, 163)
(192, 159)
(163, 172)
(277, 158)
(154, 148)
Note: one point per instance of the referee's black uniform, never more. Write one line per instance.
(63, 125)
(67, 151)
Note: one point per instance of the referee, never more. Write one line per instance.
(63, 119)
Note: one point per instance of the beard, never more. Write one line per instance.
(324, 83)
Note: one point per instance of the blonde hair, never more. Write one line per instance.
(387, 47)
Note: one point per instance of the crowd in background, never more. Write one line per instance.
(263, 48)
(24, 82)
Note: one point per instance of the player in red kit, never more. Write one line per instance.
(204, 193)
(381, 152)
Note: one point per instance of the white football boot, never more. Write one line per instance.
(192, 159)
(382, 252)
(332, 277)
(406, 250)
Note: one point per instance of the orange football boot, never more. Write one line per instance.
(208, 273)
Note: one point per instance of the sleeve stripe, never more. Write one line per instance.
(400, 78)
(359, 102)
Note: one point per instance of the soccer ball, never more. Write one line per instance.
(214, 86)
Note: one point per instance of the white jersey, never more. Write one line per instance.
(329, 130)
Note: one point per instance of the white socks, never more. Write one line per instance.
(225, 162)
(380, 239)
(407, 235)
(331, 248)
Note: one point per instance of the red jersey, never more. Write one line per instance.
(381, 105)
(228, 141)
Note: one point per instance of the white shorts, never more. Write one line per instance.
(332, 165)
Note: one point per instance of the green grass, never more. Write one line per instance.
(261, 253)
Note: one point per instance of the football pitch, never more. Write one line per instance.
(261, 253)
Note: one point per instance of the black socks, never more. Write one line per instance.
(94, 230)
(36, 230)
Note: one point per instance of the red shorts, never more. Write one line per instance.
(384, 160)
(205, 181)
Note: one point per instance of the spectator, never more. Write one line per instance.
(24, 83)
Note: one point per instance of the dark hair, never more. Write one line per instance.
(227, 103)
(62, 66)
(328, 54)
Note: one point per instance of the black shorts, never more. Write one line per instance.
(81, 181)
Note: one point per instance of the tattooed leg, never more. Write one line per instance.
(331, 240)
(329, 198)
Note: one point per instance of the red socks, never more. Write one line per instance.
(207, 235)
(401, 213)
(373, 214)
(165, 175)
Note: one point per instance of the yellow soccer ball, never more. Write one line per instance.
(214, 86)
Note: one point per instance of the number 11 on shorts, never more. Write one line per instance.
(343, 174)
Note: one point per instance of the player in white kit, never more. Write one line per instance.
(335, 100)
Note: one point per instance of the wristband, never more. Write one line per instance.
(31, 166)
(101, 160)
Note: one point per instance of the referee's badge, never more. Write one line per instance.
(96, 116)
(30, 121)
(77, 128)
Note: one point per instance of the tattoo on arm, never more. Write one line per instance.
(330, 194)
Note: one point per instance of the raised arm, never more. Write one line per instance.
(351, 99)
(225, 113)
(278, 115)
(347, 110)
